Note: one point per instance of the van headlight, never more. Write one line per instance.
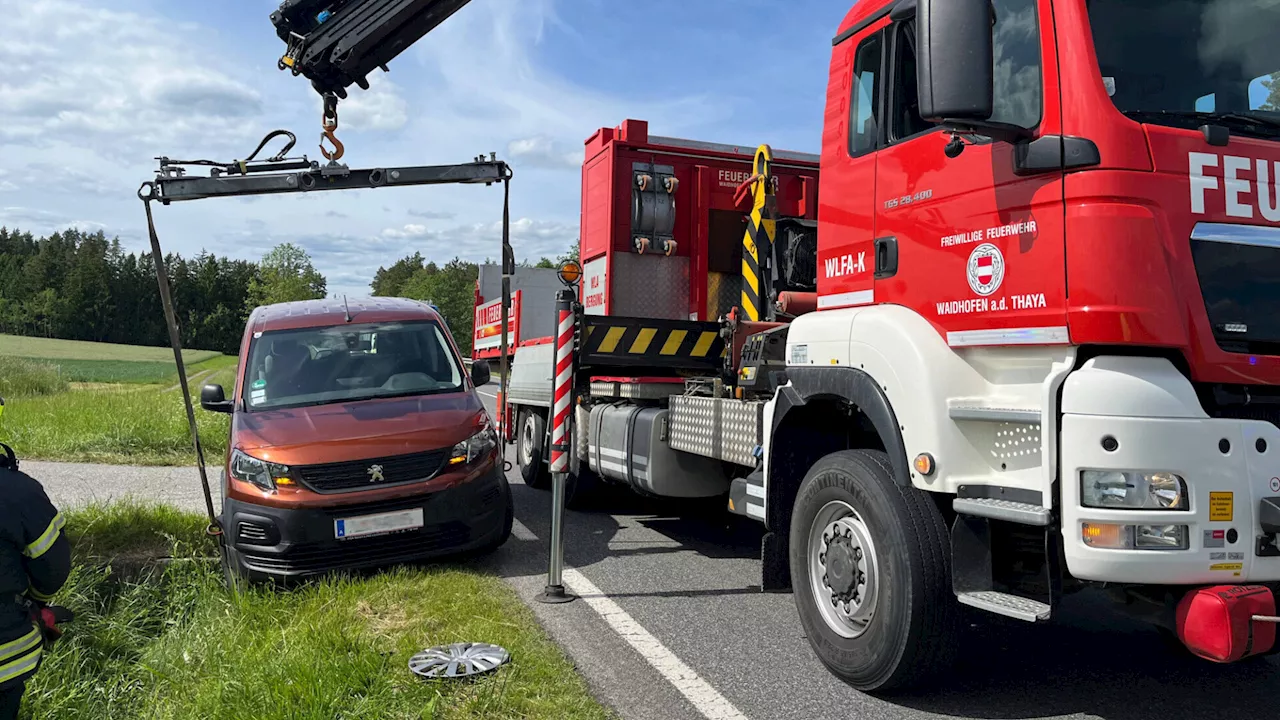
(1137, 490)
(259, 472)
(474, 447)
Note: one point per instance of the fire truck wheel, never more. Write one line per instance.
(530, 441)
(871, 572)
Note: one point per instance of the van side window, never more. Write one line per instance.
(1019, 91)
(865, 102)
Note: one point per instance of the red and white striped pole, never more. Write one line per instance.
(561, 437)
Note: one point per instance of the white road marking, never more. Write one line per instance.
(697, 691)
(520, 532)
(495, 397)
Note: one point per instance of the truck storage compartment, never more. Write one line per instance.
(628, 444)
(721, 428)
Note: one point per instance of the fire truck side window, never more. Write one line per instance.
(864, 125)
(906, 93)
(1019, 91)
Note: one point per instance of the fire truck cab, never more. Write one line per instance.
(1043, 352)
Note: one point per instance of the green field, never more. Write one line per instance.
(165, 640)
(50, 349)
(120, 404)
(86, 362)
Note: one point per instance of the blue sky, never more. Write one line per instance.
(92, 90)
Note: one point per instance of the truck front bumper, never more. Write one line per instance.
(1140, 414)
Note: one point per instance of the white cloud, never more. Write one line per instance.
(91, 92)
(76, 73)
(542, 152)
(85, 226)
(433, 214)
(408, 231)
(379, 108)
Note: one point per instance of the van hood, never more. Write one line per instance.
(358, 430)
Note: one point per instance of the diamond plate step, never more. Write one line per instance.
(1007, 510)
(1013, 606)
(999, 415)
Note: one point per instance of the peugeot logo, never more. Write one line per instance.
(375, 473)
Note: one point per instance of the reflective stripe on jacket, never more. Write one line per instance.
(35, 560)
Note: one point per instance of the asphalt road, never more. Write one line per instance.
(683, 583)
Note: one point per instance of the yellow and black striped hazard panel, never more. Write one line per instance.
(658, 343)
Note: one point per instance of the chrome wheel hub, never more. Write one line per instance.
(526, 441)
(842, 569)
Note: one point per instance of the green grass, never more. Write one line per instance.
(137, 425)
(87, 362)
(51, 349)
(118, 371)
(19, 376)
(166, 641)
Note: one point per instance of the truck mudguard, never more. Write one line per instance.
(844, 383)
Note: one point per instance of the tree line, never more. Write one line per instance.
(75, 285)
(451, 288)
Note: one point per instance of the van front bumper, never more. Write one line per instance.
(278, 543)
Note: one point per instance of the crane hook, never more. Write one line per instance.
(329, 122)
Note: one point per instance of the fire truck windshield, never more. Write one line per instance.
(1182, 62)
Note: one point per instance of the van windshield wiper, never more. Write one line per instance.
(1266, 126)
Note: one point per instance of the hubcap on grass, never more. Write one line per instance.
(842, 569)
(458, 660)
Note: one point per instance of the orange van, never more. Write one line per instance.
(357, 440)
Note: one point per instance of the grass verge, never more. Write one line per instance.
(144, 426)
(19, 376)
(164, 640)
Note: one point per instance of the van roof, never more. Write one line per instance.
(329, 312)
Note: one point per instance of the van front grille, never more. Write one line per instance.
(373, 473)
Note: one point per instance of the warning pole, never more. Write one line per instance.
(562, 412)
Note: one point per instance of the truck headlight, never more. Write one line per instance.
(1133, 490)
(265, 475)
(474, 447)
(1134, 537)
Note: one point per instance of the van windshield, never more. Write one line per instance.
(1186, 62)
(315, 366)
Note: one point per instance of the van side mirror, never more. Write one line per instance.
(480, 374)
(954, 59)
(214, 399)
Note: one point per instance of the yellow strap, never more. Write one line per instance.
(14, 648)
(46, 540)
(36, 594)
(23, 665)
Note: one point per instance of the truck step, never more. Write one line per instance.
(995, 415)
(746, 496)
(1007, 510)
(1014, 606)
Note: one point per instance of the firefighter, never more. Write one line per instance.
(35, 560)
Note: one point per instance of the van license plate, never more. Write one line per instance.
(379, 524)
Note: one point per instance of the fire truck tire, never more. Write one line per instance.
(531, 437)
(871, 573)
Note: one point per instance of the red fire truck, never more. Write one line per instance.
(532, 292)
(1020, 337)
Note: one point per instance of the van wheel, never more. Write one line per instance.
(530, 441)
(871, 571)
(508, 519)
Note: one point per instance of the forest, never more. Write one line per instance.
(74, 285)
